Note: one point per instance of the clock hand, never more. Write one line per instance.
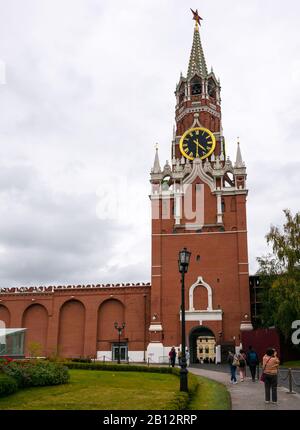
(198, 144)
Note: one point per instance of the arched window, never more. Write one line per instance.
(223, 205)
(181, 93)
(228, 180)
(211, 88)
(166, 183)
(196, 86)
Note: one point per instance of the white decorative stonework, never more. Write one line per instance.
(198, 171)
(198, 283)
(155, 327)
(209, 314)
(246, 326)
(155, 352)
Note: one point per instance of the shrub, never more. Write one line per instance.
(81, 360)
(35, 349)
(118, 367)
(8, 385)
(37, 373)
(5, 360)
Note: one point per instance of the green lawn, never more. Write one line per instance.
(211, 395)
(108, 390)
(291, 364)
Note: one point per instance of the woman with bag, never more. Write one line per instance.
(242, 364)
(269, 375)
(233, 363)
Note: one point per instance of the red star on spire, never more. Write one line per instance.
(196, 16)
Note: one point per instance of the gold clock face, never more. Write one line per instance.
(198, 142)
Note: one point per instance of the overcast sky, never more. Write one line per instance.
(87, 89)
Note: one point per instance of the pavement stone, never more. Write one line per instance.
(249, 395)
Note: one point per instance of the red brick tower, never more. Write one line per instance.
(199, 202)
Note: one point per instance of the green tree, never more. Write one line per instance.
(280, 275)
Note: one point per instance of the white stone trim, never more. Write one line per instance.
(246, 326)
(202, 233)
(199, 283)
(219, 208)
(199, 172)
(155, 327)
(218, 354)
(155, 350)
(133, 356)
(214, 315)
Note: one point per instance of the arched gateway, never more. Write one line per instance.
(202, 343)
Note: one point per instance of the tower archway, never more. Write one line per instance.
(202, 343)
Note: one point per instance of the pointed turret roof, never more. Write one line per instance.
(239, 161)
(156, 166)
(197, 62)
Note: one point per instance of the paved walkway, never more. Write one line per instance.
(249, 395)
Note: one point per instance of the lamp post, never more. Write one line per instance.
(183, 265)
(120, 329)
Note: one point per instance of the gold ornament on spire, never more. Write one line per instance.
(196, 17)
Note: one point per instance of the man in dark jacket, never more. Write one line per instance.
(172, 356)
(252, 361)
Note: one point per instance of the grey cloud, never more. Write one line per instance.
(90, 90)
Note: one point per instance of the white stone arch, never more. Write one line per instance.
(200, 283)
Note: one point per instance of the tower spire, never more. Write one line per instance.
(197, 63)
(156, 166)
(239, 161)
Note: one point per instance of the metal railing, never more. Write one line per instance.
(286, 375)
(291, 377)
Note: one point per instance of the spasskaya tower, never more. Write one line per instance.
(199, 202)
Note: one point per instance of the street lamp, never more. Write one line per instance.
(120, 329)
(183, 265)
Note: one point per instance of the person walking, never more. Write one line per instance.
(172, 356)
(179, 355)
(187, 356)
(233, 362)
(252, 361)
(242, 364)
(269, 375)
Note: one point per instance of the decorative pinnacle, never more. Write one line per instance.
(197, 63)
(196, 17)
(156, 166)
(239, 161)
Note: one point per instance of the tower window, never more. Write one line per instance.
(223, 205)
(181, 97)
(211, 88)
(196, 86)
(181, 93)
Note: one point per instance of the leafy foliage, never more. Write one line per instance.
(35, 349)
(37, 373)
(8, 385)
(280, 275)
(119, 367)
